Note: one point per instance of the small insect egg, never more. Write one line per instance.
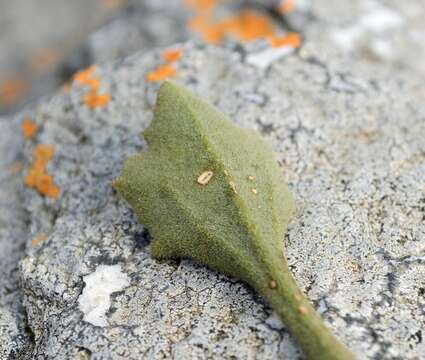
(302, 310)
(273, 284)
(254, 191)
(205, 177)
(233, 187)
(250, 177)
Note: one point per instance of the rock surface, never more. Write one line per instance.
(14, 339)
(352, 149)
(375, 33)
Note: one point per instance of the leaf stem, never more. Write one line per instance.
(299, 316)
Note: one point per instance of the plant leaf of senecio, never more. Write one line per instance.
(213, 192)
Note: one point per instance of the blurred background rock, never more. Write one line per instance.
(38, 42)
(43, 42)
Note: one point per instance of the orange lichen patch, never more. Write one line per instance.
(83, 76)
(291, 39)
(38, 239)
(45, 59)
(210, 32)
(37, 176)
(43, 152)
(42, 182)
(201, 5)
(246, 26)
(249, 25)
(286, 6)
(93, 83)
(12, 90)
(200, 22)
(172, 55)
(94, 100)
(47, 187)
(29, 128)
(161, 73)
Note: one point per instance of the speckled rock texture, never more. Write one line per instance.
(141, 26)
(14, 339)
(375, 33)
(353, 152)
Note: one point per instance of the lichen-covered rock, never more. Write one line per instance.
(14, 339)
(353, 151)
(143, 26)
(375, 33)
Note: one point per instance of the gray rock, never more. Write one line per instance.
(34, 33)
(375, 33)
(14, 339)
(352, 150)
(148, 24)
(143, 26)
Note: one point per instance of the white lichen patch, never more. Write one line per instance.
(265, 58)
(371, 31)
(95, 300)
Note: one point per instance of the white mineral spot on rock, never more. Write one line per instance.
(348, 38)
(265, 58)
(381, 19)
(376, 21)
(383, 50)
(95, 300)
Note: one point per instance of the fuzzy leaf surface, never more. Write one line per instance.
(232, 224)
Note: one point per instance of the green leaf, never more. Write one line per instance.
(213, 192)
